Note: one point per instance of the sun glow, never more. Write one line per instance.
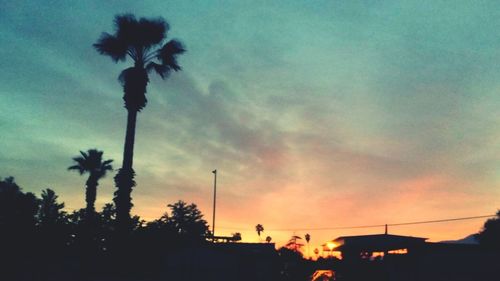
(331, 246)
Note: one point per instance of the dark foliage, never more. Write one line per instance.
(50, 212)
(54, 245)
(18, 220)
(236, 236)
(17, 209)
(294, 266)
(489, 236)
(186, 219)
(268, 239)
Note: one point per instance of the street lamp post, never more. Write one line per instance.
(215, 197)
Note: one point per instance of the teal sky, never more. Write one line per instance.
(315, 113)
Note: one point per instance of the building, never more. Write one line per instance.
(377, 245)
(395, 257)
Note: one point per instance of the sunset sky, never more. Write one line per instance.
(316, 114)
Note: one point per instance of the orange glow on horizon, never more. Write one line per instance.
(329, 209)
(331, 245)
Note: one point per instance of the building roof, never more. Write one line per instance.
(376, 242)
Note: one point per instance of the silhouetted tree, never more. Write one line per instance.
(92, 163)
(77, 216)
(143, 41)
(183, 222)
(80, 228)
(489, 236)
(54, 232)
(268, 239)
(308, 238)
(108, 215)
(101, 233)
(187, 219)
(107, 219)
(293, 245)
(236, 236)
(294, 267)
(17, 229)
(17, 209)
(50, 213)
(259, 228)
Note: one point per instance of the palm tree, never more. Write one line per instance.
(259, 228)
(293, 244)
(268, 239)
(91, 162)
(308, 238)
(144, 41)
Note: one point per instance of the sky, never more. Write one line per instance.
(316, 114)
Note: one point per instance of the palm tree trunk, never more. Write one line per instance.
(128, 151)
(90, 196)
(124, 179)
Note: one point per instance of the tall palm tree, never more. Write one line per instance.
(144, 41)
(91, 162)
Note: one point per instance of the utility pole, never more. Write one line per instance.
(215, 197)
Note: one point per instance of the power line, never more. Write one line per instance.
(444, 220)
(368, 226)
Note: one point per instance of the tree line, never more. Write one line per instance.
(37, 236)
